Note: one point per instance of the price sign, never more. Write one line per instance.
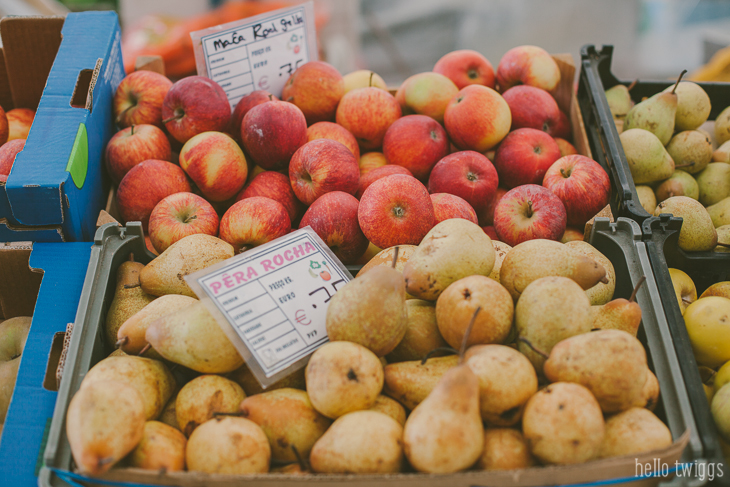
(257, 53)
(272, 301)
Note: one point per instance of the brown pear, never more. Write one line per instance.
(718, 289)
(602, 292)
(411, 382)
(169, 414)
(288, 419)
(200, 399)
(650, 393)
(422, 333)
(131, 335)
(228, 445)
(390, 407)
(128, 299)
(162, 448)
(634, 431)
(166, 274)
(504, 449)
(251, 386)
(619, 314)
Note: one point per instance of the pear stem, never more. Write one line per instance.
(395, 256)
(221, 413)
(535, 349)
(711, 378)
(689, 164)
(678, 80)
(131, 257)
(438, 349)
(121, 341)
(633, 83)
(636, 289)
(721, 244)
(467, 333)
(302, 463)
(144, 349)
(370, 83)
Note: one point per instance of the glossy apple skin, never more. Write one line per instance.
(195, 105)
(272, 132)
(466, 174)
(566, 148)
(527, 65)
(322, 166)
(333, 131)
(334, 217)
(216, 164)
(254, 221)
(368, 113)
(379, 173)
(446, 206)
(528, 212)
(244, 105)
(370, 161)
(138, 99)
(532, 108)
(524, 156)
(133, 145)
(4, 127)
(145, 185)
(178, 216)
(274, 185)
(426, 94)
(486, 216)
(477, 118)
(581, 184)
(466, 67)
(19, 122)
(396, 210)
(316, 88)
(416, 142)
(8, 151)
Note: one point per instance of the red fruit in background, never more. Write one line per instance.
(133, 145)
(254, 221)
(532, 108)
(333, 216)
(379, 173)
(466, 174)
(138, 99)
(4, 127)
(8, 151)
(466, 67)
(145, 185)
(19, 122)
(528, 212)
(274, 185)
(566, 148)
(491, 232)
(316, 88)
(368, 113)
(322, 166)
(527, 65)
(370, 161)
(416, 142)
(244, 105)
(195, 105)
(524, 156)
(272, 132)
(581, 184)
(572, 233)
(396, 210)
(447, 206)
(333, 131)
(216, 164)
(562, 127)
(486, 216)
(180, 215)
(477, 118)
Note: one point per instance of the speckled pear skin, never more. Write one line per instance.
(698, 234)
(129, 298)
(411, 382)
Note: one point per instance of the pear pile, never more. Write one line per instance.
(677, 166)
(438, 368)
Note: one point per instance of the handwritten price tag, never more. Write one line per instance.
(272, 301)
(257, 53)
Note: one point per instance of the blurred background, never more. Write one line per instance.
(397, 38)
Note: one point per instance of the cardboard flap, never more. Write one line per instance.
(26, 38)
(6, 97)
(18, 283)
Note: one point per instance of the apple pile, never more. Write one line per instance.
(365, 169)
(14, 128)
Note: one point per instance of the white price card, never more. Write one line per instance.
(257, 53)
(272, 301)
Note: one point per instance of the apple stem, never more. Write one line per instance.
(144, 349)
(467, 333)
(562, 173)
(370, 83)
(395, 256)
(131, 131)
(534, 349)
(636, 289)
(529, 209)
(678, 80)
(174, 117)
(271, 98)
(121, 341)
(190, 218)
(302, 463)
(121, 114)
(438, 349)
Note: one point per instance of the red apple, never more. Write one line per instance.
(532, 108)
(466, 67)
(581, 184)
(4, 128)
(426, 94)
(8, 151)
(195, 105)
(19, 122)
(272, 132)
(133, 145)
(562, 128)
(528, 65)
(274, 185)
(148, 244)
(379, 173)
(446, 206)
(216, 164)
(370, 161)
(333, 131)
(477, 118)
(145, 185)
(321, 166)
(416, 142)
(334, 217)
(180, 215)
(254, 221)
(524, 156)
(316, 88)
(468, 175)
(396, 210)
(244, 105)
(138, 99)
(491, 233)
(566, 148)
(486, 216)
(368, 113)
(528, 212)
(572, 233)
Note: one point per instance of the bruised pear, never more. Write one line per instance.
(201, 398)
(161, 447)
(228, 445)
(649, 393)
(411, 382)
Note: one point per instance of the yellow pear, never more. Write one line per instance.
(647, 198)
(650, 393)
(422, 333)
(128, 299)
(200, 399)
(697, 233)
(245, 378)
(684, 288)
(166, 274)
(693, 106)
(390, 407)
(708, 327)
(104, 422)
(718, 289)
(618, 314)
(162, 448)
(500, 252)
(169, 414)
(722, 377)
(601, 293)
(131, 335)
(504, 449)
(411, 382)
(228, 445)
(634, 431)
(13, 335)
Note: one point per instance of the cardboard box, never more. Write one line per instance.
(68, 69)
